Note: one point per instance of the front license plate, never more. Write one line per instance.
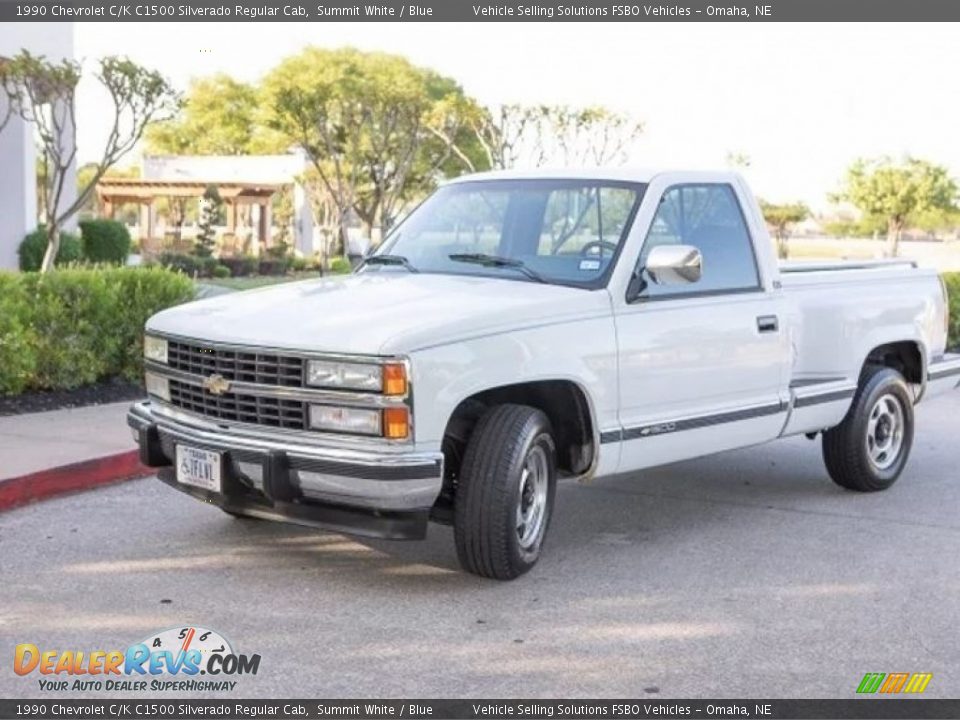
(200, 468)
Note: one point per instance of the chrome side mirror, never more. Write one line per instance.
(674, 264)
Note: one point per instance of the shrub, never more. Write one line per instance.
(189, 264)
(274, 266)
(280, 249)
(299, 264)
(952, 281)
(17, 341)
(140, 293)
(340, 265)
(241, 266)
(221, 271)
(209, 213)
(105, 241)
(34, 246)
(69, 311)
(76, 326)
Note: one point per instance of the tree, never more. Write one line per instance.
(591, 135)
(738, 159)
(220, 116)
(43, 93)
(898, 193)
(502, 132)
(780, 218)
(376, 129)
(536, 135)
(206, 241)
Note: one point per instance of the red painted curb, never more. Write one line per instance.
(75, 477)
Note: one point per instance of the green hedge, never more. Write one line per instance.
(189, 264)
(75, 326)
(105, 241)
(953, 289)
(340, 265)
(34, 246)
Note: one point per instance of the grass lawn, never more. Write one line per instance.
(256, 281)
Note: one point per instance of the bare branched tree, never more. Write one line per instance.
(501, 132)
(44, 93)
(538, 135)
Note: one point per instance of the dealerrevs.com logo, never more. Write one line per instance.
(173, 659)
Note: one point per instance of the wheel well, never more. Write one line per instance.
(905, 357)
(562, 401)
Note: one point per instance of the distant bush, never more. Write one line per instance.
(105, 241)
(340, 265)
(241, 266)
(274, 266)
(79, 325)
(221, 271)
(952, 281)
(34, 246)
(189, 264)
(299, 264)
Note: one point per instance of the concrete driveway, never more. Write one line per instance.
(743, 574)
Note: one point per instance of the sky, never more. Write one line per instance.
(801, 101)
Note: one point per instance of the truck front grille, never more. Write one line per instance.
(235, 407)
(252, 367)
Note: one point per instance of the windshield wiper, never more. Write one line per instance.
(497, 261)
(389, 260)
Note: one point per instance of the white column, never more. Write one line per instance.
(302, 221)
(18, 201)
(18, 198)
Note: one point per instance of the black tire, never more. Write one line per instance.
(506, 440)
(847, 451)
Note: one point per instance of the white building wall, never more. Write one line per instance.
(18, 199)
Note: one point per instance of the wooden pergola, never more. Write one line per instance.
(112, 192)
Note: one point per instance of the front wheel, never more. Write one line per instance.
(505, 492)
(869, 449)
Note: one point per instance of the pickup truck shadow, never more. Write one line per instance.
(667, 504)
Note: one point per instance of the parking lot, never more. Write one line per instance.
(745, 574)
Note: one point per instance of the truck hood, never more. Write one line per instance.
(377, 313)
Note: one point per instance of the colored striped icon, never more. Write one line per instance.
(894, 683)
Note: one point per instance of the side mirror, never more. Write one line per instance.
(674, 264)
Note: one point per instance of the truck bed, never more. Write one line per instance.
(801, 266)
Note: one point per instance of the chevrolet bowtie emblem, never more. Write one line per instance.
(216, 384)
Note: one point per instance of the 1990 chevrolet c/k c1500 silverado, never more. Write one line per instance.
(520, 327)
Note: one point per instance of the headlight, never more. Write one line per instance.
(345, 420)
(157, 385)
(155, 349)
(390, 379)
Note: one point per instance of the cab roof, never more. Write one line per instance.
(616, 174)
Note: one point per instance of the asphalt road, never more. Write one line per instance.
(743, 574)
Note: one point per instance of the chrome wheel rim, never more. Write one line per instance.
(532, 498)
(885, 426)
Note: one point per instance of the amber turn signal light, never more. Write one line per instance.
(396, 423)
(395, 379)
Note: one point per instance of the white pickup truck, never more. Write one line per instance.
(518, 328)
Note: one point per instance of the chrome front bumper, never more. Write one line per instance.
(383, 494)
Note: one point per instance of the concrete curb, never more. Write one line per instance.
(75, 477)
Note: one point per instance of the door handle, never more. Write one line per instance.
(767, 323)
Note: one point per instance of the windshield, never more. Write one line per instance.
(559, 231)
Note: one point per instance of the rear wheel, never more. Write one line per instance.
(505, 492)
(869, 449)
